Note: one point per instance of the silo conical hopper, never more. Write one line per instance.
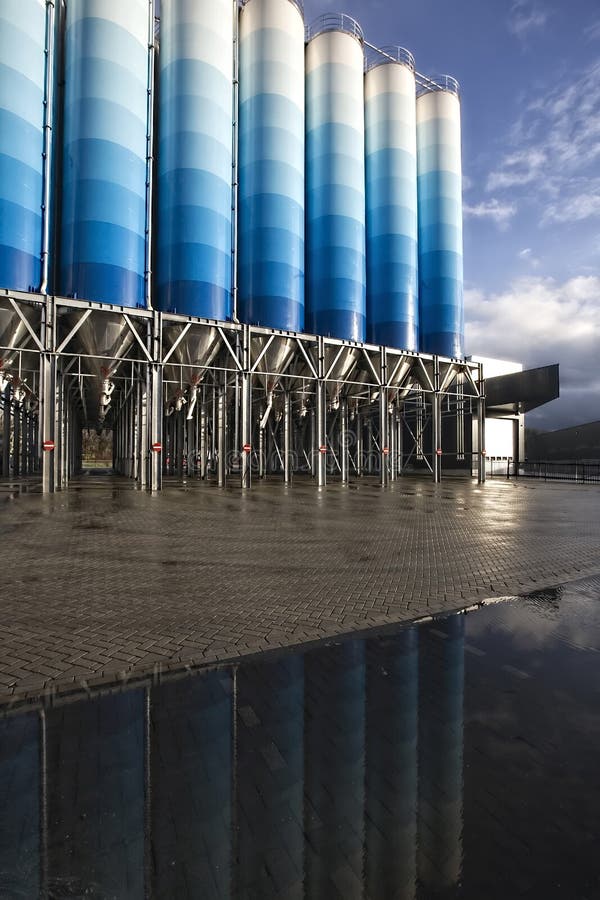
(104, 341)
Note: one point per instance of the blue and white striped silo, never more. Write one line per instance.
(441, 305)
(335, 179)
(271, 165)
(22, 76)
(392, 229)
(104, 160)
(194, 263)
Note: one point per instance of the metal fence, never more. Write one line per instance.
(580, 471)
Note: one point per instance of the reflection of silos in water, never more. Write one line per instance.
(440, 220)
(391, 168)
(441, 697)
(391, 766)
(269, 779)
(103, 249)
(20, 806)
(271, 165)
(334, 751)
(190, 787)
(95, 778)
(335, 180)
(195, 158)
(22, 74)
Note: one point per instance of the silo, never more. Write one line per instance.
(335, 179)
(104, 151)
(271, 165)
(22, 76)
(194, 236)
(440, 219)
(391, 177)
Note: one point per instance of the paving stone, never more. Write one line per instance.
(105, 579)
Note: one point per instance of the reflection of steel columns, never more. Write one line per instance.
(191, 787)
(20, 851)
(95, 766)
(441, 691)
(269, 779)
(334, 771)
(391, 769)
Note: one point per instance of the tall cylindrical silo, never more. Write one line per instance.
(22, 76)
(335, 180)
(441, 305)
(391, 177)
(104, 157)
(195, 158)
(271, 165)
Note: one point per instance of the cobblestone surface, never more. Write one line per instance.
(105, 582)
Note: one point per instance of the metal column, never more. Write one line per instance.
(155, 423)
(384, 449)
(359, 444)
(48, 395)
(246, 417)
(436, 424)
(321, 417)
(480, 426)
(393, 443)
(222, 433)
(287, 438)
(344, 439)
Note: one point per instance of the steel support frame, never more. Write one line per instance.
(321, 380)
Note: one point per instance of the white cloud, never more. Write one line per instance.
(498, 212)
(518, 168)
(539, 321)
(526, 255)
(592, 32)
(556, 152)
(526, 16)
(575, 208)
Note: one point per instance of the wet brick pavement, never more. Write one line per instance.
(104, 582)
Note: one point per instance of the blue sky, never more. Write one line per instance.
(530, 77)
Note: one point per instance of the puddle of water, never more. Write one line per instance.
(454, 759)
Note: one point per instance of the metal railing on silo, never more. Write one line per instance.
(377, 56)
(298, 3)
(428, 83)
(335, 22)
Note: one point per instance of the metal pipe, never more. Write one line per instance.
(261, 452)
(267, 412)
(344, 439)
(383, 420)
(321, 418)
(150, 153)
(47, 151)
(234, 180)
(287, 438)
(203, 437)
(359, 444)
(222, 435)
(393, 444)
(481, 426)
